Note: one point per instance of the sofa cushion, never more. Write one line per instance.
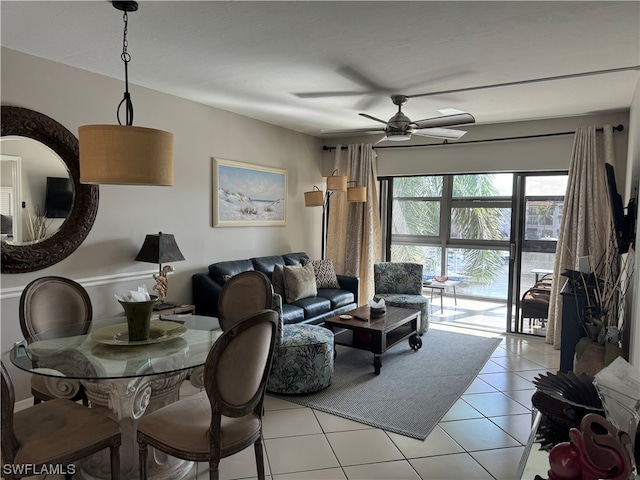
(266, 264)
(292, 313)
(299, 282)
(313, 306)
(295, 258)
(325, 274)
(222, 271)
(337, 297)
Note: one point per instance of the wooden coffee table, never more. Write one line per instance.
(376, 335)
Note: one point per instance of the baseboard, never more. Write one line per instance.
(22, 404)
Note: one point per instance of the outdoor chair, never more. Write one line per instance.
(534, 304)
(400, 284)
(56, 432)
(52, 302)
(227, 417)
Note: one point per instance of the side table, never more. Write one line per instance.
(175, 310)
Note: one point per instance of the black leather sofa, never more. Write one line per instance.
(312, 310)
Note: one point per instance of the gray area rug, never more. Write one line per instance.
(414, 389)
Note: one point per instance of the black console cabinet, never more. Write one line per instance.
(573, 305)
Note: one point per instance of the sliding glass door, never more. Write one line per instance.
(491, 236)
(539, 203)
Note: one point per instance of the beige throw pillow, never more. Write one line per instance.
(299, 282)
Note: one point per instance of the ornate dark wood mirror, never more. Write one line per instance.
(66, 230)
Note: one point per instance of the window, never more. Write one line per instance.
(455, 225)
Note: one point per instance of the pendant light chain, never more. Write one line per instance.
(126, 58)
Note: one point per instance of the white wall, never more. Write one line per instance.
(633, 166)
(105, 261)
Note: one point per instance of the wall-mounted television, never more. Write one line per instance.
(623, 224)
(59, 197)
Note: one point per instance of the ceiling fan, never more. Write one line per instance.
(400, 127)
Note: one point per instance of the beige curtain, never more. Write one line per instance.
(586, 220)
(354, 237)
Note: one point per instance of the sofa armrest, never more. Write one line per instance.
(205, 292)
(352, 284)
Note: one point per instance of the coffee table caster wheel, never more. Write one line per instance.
(415, 342)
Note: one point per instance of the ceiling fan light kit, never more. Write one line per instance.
(124, 154)
(400, 128)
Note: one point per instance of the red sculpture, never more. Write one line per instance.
(597, 451)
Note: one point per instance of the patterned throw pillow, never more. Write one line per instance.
(277, 279)
(325, 274)
(299, 282)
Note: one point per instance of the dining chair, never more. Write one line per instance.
(227, 416)
(57, 433)
(52, 302)
(242, 295)
(303, 357)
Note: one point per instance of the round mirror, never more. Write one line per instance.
(37, 191)
(46, 212)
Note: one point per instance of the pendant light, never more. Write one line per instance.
(124, 154)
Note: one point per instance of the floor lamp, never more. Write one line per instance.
(318, 198)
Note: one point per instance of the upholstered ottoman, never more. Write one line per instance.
(413, 302)
(303, 361)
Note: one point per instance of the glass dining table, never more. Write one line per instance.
(122, 378)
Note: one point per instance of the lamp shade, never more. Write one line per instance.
(125, 155)
(160, 248)
(337, 183)
(314, 198)
(357, 194)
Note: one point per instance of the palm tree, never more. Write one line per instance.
(415, 214)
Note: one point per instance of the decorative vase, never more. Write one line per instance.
(589, 357)
(139, 318)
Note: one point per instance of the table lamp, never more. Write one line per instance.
(160, 248)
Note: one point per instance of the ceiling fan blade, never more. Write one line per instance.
(444, 133)
(353, 130)
(372, 118)
(450, 111)
(446, 120)
(381, 140)
(357, 77)
(326, 94)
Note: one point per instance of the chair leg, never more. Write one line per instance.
(115, 461)
(142, 451)
(214, 473)
(259, 458)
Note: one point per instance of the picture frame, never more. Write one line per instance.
(246, 194)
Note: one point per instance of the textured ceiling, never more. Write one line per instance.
(268, 60)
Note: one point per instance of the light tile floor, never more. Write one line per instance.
(482, 436)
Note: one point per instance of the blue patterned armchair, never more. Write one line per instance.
(400, 284)
(303, 357)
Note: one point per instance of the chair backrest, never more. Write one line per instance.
(242, 295)
(238, 365)
(51, 302)
(398, 277)
(9, 442)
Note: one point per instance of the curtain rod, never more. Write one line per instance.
(616, 128)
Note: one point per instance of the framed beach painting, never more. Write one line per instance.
(245, 194)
